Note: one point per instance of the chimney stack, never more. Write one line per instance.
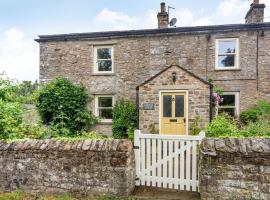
(163, 16)
(255, 13)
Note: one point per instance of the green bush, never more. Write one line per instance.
(12, 91)
(252, 114)
(10, 118)
(222, 126)
(194, 126)
(260, 128)
(124, 118)
(86, 135)
(61, 103)
(29, 131)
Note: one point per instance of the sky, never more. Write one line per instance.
(22, 21)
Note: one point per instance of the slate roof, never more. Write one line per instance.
(154, 32)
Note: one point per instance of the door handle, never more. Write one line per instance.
(184, 120)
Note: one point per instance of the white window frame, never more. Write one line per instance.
(96, 71)
(217, 67)
(237, 102)
(97, 108)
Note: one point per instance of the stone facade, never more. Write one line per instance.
(235, 169)
(198, 96)
(139, 57)
(83, 168)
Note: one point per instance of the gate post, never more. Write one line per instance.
(137, 154)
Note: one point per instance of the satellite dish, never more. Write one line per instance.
(173, 22)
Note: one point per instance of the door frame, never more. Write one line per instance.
(187, 108)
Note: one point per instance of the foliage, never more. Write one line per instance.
(222, 125)
(194, 126)
(28, 131)
(152, 129)
(217, 99)
(251, 115)
(130, 132)
(210, 79)
(85, 135)
(124, 117)
(64, 105)
(10, 118)
(225, 126)
(13, 91)
(219, 91)
(260, 128)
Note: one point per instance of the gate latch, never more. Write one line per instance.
(136, 147)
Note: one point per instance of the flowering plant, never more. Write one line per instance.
(217, 99)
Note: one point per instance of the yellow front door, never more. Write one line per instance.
(173, 113)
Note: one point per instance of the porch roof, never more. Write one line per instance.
(187, 71)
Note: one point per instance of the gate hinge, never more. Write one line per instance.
(136, 147)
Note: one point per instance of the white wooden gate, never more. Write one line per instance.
(167, 161)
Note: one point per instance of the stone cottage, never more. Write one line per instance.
(166, 70)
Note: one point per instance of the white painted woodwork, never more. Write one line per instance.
(167, 161)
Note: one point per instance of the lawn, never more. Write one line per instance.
(24, 196)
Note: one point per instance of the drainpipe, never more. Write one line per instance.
(137, 106)
(257, 60)
(211, 105)
(208, 37)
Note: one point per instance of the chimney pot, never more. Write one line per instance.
(162, 7)
(256, 1)
(163, 16)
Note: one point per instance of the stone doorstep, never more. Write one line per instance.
(141, 193)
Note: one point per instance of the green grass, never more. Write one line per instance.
(25, 196)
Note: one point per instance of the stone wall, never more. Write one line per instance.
(78, 167)
(235, 169)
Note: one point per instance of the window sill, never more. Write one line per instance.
(230, 69)
(103, 74)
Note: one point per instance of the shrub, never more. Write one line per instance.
(10, 118)
(194, 126)
(29, 131)
(62, 103)
(252, 114)
(222, 125)
(124, 118)
(260, 128)
(13, 91)
(84, 136)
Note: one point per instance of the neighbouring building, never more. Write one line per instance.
(166, 70)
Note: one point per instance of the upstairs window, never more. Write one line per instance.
(103, 59)
(230, 104)
(103, 107)
(227, 52)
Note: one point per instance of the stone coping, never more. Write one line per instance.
(245, 146)
(64, 145)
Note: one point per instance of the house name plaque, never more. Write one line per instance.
(149, 106)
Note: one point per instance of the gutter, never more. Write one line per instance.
(154, 32)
